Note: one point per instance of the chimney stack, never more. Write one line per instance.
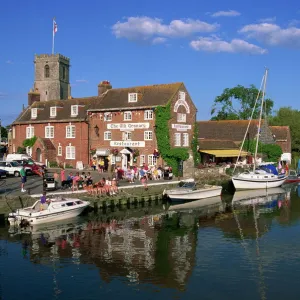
(33, 96)
(103, 87)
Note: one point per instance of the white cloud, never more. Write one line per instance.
(158, 40)
(146, 28)
(267, 20)
(9, 62)
(215, 44)
(81, 80)
(226, 13)
(272, 34)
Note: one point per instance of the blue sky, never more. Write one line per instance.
(209, 45)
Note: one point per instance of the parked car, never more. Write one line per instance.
(16, 156)
(3, 173)
(13, 168)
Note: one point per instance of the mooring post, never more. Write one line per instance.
(2, 220)
(95, 206)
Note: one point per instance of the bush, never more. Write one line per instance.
(21, 150)
(273, 152)
(53, 164)
(67, 166)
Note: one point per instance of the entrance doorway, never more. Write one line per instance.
(126, 158)
(38, 155)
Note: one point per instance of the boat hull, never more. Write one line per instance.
(247, 184)
(189, 195)
(15, 219)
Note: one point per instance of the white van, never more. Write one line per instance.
(17, 156)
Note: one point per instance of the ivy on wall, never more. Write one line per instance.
(29, 142)
(195, 145)
(171, 155)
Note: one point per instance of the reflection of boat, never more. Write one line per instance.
(54, 210)
(197, 204)
(256, 196)
(292, 177)
(188, 191)
(257, 179)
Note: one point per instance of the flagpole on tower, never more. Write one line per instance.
(54, 30)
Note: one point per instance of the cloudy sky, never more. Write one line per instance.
(209, 46)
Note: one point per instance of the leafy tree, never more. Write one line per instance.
(287, 116)
(272, 151)
(237, 103)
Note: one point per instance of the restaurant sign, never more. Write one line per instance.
(127, 143)
(128, 126)
(181, 127)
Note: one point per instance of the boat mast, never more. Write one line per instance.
(260, 116)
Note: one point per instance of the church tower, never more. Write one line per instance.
(52, 76)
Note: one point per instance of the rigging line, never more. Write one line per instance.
(252, 113)
(260, 116)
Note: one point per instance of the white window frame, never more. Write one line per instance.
(181, 118)
(132, 97)
(49, 132)
(177, 139)
(148, 135)
(127, 116)
(14, 132)
(29, 132)
(53, 111)
(185, 140)
(29, 151)
(181, 96)
(107, 117)
(74, 110)
(33, 113)
(152, 160)
(70, 131)
(148, 114)
(142, 159)
(127, 136)
(70, 152)
(59, 150)
(107, 135)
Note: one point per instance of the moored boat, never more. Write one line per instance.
(187, 191)
(292, 177)
(53, 210)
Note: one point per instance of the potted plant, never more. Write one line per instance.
(114, 152)
(93, 151)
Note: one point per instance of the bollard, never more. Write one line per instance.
(2, 220)
(128, 203)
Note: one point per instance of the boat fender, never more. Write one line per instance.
(164, 192)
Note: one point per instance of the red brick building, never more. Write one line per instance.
(124, 120)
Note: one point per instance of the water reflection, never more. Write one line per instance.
(170, 248)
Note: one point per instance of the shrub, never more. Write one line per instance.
(53, 164)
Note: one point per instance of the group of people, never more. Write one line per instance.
(103, 187)
(74, 181)
(100, 164)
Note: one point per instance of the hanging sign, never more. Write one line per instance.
(127, 143)
(181, 127)
(128, 126)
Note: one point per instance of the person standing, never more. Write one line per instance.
(23, 179)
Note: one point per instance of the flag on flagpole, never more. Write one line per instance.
(54, 27)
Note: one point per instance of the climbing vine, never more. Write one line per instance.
(171, 155)
(195, 145)
(29, 142)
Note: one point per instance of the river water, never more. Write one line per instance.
(243, 247)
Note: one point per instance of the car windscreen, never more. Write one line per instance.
(15, 164)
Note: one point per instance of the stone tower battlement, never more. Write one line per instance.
(52, 76)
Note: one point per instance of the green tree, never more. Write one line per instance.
(287, 116)
(237, 103)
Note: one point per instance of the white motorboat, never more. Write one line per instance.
(187, 191)
(257, 179)
(53, 210)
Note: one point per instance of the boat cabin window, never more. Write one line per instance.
(79, 202)
(70, 203)
(186, 184)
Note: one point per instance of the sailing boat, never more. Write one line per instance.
(257, 179)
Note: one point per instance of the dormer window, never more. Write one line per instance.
(33, 113)
(74, 110)
(132, 97)
(53, 111)
(181, 96)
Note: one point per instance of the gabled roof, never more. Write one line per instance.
(113, 99)
(216, 144)
(148, 96)
(233, 130)
(280, 132)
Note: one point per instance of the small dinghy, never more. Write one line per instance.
(188, 191)
(53, 210)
